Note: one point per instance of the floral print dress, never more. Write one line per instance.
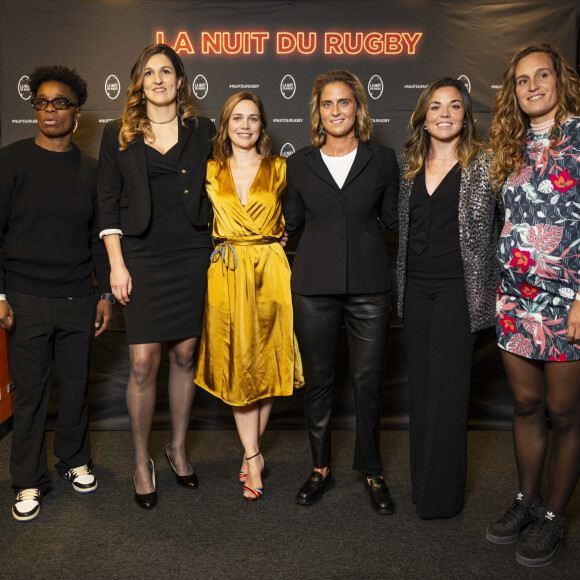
(539, 249)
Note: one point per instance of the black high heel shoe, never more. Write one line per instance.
(147, 501)
(184, 480)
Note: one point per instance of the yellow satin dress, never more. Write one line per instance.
(248, 350)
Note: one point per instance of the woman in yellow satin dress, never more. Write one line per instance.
(248, 352)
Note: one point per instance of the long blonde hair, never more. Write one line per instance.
(419, 143)
(134, 119)
(222, 145)
(363, 123)
(510, 123)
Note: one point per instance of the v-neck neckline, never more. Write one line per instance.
(441, 182)
(251, 186)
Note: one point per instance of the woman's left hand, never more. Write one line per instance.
(573, 334)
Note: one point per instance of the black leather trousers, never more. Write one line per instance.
(317, 322)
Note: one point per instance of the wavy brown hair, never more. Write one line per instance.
(419, 143)
(134, 119)
(363, 124)
(510, 123)
(222, 145)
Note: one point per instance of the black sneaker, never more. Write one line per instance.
(539, 544)
(82, 479)
(27, 504)
(521, 513)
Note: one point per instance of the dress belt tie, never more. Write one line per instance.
(227, 245)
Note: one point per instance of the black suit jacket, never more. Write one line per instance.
(341, 250)
(123, 182)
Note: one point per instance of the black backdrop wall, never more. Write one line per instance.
(277, 48)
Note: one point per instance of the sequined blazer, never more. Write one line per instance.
(479, 212)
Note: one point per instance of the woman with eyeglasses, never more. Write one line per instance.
(154, 215)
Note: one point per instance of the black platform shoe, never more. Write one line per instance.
(147, 501)
(184, 480)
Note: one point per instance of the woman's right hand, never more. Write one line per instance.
(121, 284)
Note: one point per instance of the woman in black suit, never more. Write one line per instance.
(154, 218)
(337, 188)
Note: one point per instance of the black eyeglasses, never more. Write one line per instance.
(60, 103)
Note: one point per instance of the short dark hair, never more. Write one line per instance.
(60, 74)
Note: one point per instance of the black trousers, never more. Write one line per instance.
(47, 328)
(317, 322)
(439, 346)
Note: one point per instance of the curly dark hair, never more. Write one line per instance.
(60, 74)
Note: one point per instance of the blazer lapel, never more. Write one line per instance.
(363, 156)
(315, 162)
(184, 135)
(136, 152)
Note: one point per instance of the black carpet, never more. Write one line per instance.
(212, 532)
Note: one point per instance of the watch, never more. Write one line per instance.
(109, 297)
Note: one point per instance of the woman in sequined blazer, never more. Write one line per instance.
(447, 274)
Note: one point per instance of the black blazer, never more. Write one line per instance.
(123, 182)
(341, 250)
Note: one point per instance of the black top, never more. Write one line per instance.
(48, 221)
(341, 250)
(434, 225)
(434, 248)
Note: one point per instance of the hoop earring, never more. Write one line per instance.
(76, 125)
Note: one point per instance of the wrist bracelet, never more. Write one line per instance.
(109, 297)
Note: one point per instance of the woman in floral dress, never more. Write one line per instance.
(535, 136)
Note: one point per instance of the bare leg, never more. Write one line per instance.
(526, 380)
(181, 394)
(563, 401)
(141, 392)
(250, 428)
(265, 407)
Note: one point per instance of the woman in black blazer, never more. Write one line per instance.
(337, 189)
(154, 216)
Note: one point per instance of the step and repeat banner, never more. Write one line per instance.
(277, 49)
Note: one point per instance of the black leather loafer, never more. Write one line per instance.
(314, 488)
(381, 500)
(183, 480)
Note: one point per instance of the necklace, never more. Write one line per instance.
(441, 158)
(163, 122)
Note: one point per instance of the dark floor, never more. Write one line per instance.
(212, 532)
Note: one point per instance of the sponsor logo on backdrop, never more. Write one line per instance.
(244, 86)
(200, 87)
(286, 120)
(465, 80)
(287, 150)
(288, 87)
(375, 87)
(24, 88)
(416, 86)
(112, 87)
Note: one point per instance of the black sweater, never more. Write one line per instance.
(48, 222)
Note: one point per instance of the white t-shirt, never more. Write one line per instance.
(339, 167)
